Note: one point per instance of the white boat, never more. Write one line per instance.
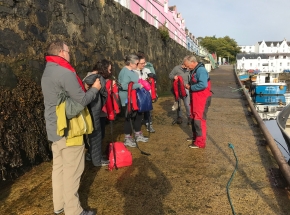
(268, 106)
(268, 83)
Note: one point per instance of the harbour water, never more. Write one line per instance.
(277, 135)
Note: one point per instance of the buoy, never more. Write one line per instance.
(281, 87)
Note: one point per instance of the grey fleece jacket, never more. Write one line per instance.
(54, 79)
(180, 72)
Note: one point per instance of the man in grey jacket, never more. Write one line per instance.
(181, 70)
(68, 161)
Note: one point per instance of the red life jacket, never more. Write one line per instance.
(132, 99)
(112, 105)
(178, 88)
(153, 91)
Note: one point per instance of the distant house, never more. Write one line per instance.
(267, 47)
(158, 13)
(191, 42)
(265, 56)
(276, 62)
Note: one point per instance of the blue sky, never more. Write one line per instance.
(247, 21)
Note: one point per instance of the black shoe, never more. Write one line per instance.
(103, 163)
(88, 213)
(192, 146)
(179, 120)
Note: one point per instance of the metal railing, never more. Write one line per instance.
(174, 36)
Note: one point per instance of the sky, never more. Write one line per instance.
(246, 21)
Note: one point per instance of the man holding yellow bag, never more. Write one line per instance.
(67, 147)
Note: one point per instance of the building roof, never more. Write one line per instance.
(268, 43)
(261, 55)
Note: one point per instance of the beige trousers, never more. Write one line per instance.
(68, 166)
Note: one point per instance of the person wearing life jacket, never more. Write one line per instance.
(152, 77)
(126, 76)
(181, 70)
(143, 74)
(200, 98)
(68, 159)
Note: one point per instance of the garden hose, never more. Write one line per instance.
(229, 182)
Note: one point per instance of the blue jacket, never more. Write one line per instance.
(201, 76)
(124, 78)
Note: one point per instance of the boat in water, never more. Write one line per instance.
(267, 83)
(243, 75)
(269, 106)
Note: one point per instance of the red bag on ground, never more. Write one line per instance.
(119, 156)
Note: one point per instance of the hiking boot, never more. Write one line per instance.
(192, 146)
(103, 163)
(150, 129)
(129, 142)
(59, 211)
(179, 120)
(88, 213)
(141, 138)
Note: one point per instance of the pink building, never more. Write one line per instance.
(157, 13)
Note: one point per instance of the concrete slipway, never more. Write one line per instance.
(174, 179)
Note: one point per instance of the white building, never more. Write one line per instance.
(265, 56)
(267, 47)
(247, 49)
(277, 62)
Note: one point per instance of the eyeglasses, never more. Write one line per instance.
(142, 63)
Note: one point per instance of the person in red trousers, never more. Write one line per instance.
(200, 98)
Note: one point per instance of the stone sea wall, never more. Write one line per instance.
(94, 29)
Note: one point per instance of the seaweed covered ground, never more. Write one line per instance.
(174, 179)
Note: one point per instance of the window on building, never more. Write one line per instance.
(262, 50)
(271, 64)
(280, 64)
(166, 24)
(284, 57)
(288, 64)
(250, 64)
(142, 13)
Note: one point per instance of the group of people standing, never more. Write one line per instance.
(76, 112)
(76, 108)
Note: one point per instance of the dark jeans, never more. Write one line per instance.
(136, 119)
(147, 116)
